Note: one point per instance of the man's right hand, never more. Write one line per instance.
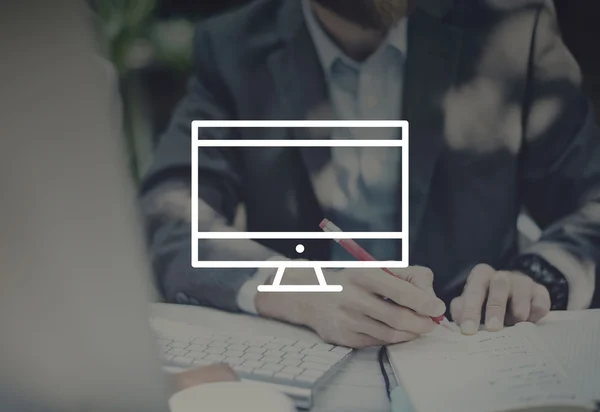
(359, 316)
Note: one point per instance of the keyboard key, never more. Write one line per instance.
(284, 375)
(251, 356)
(323, 346)
(179, 344)
(290, 362)
(234, 361)
(313, 373)
(196, 354)
(274, 354)
(196, 347)
(215, 350)
(294, 370)
(321, 354)
(201, 362)
(273, 346)
(255, 349)
(283, 342)
(272, 367)
(177, 352)
(214, 358)
(321, 359)
(233, 354)
(316, 366)
(267, 359)
(340, 350)
(253, 364)
(303, 345)
(237, 347)
(263, 373)
(242, 369)
(293, 355)
(183, 360)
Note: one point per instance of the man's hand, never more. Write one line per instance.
(509, 298)
(359, 316)
(200, 376)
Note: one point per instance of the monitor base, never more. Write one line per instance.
(321, 287)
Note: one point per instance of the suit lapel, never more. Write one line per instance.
(431, 67)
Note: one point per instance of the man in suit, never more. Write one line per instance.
(497, 123)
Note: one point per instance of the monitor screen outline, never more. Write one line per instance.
(258, 264)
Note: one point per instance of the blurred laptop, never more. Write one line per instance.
(64, 244)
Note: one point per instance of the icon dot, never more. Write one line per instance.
(299, 248)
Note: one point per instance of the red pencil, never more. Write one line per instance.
(359, 253)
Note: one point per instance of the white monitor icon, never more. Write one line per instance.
(317, 266)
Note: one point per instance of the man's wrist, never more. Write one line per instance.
(544, 273)
(289, 307)
(246, 298)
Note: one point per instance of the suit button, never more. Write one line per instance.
(182, 299)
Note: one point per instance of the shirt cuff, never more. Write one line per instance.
(581, 276)
(248, 291)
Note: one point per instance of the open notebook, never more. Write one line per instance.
(552, 367)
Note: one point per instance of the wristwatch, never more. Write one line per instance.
(542, 272)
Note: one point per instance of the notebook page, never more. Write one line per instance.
(486, 372)
(574, 339)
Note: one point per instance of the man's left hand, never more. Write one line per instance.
(509, 298)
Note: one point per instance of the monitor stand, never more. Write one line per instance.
(321, 287)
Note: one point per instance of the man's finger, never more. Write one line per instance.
(456, 307)
(402, 292)
(540, 303)
(520, 299)
(396, 317)
(497, 300)
(360, 340)
(419, 276)
(203, 375)
(473, 297)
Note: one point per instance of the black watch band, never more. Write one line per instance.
(542, 272)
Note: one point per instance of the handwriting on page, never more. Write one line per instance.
(576, 346)
(505, 369)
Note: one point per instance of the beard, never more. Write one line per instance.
(370, 14)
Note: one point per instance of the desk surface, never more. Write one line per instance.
(358, 387)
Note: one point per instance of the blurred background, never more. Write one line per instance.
(150, 43)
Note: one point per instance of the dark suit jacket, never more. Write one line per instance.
(497, 122)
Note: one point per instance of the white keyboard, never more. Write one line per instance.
(297, 368)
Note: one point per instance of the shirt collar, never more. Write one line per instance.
(329, 52)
